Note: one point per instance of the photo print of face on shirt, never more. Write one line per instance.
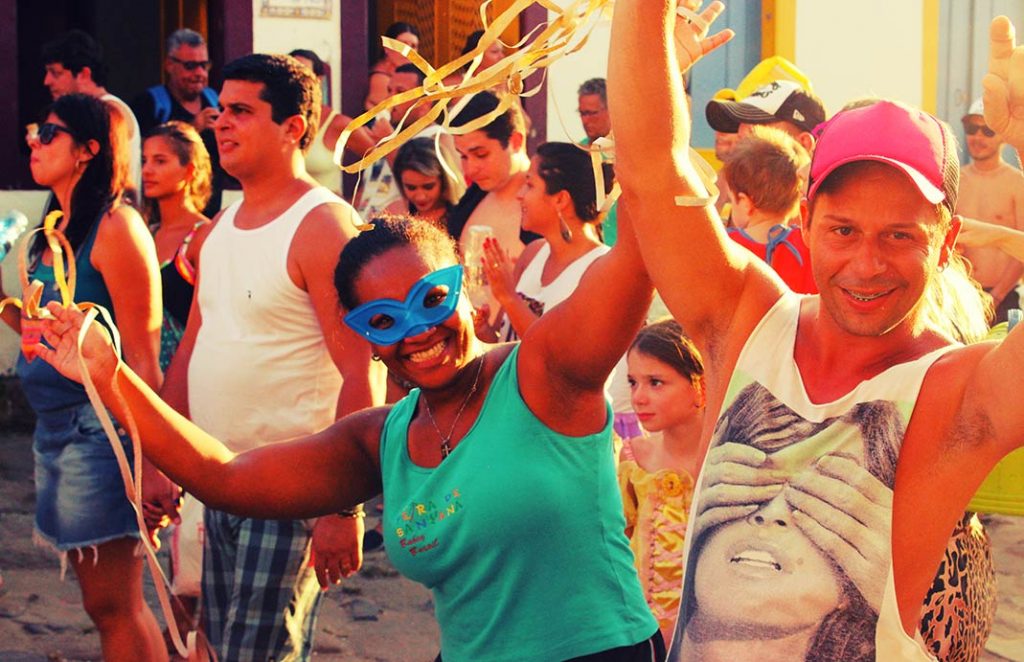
(790, 549)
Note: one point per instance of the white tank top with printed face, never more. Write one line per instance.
(770, 571)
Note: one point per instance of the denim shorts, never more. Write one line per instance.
(80, 497)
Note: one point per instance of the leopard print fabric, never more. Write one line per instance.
(961, 603)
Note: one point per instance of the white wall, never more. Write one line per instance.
(31, 204)
(863, 48)
(322, 36)
(565, 77)
(849, 50)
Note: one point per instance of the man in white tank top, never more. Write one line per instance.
(264, 353)
(869, 427)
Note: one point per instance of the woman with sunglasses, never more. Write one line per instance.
(81, 154)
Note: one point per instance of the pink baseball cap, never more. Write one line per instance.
(889, 132)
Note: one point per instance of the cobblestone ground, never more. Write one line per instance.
(376, 616)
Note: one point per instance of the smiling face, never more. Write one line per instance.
(430, 359)
(875, 246)
(539, 212)
(484, 161)
(662, 397)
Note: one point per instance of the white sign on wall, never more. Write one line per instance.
(296, 8)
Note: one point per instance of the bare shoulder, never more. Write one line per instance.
(530, 252)
(336, 220)
(122, 223)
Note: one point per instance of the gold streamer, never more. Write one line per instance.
(31, 309)
(565, 34)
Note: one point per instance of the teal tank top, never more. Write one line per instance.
(519, 533)
(45, 388)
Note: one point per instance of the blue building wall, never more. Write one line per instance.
(727, 66)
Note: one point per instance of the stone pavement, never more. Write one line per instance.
(376, 616)
(1007, 640)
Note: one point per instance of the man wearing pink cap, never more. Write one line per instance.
(991, 190)
(846, 431)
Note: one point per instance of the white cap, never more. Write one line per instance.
(977, 108)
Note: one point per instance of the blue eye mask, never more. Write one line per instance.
(431, 301)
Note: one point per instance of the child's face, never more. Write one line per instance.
(662, 397)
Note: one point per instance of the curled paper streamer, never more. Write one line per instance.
(32, 313)
(566, 33)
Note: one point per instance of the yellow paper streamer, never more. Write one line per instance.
(31, 309)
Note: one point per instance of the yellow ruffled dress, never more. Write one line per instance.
(657, 507)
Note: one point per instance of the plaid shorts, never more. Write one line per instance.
(260, 596)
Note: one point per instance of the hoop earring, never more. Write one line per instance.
(564, 228)
(375, 357)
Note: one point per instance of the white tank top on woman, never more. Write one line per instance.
(260, 371)
(543, 297)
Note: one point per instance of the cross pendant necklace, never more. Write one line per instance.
(446, 448)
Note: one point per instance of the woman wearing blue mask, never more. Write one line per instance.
(495, 448)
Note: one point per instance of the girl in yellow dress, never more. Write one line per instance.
(656, 472)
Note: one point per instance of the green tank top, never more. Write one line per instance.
(519, 533)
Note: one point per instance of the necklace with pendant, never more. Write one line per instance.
(446, 448)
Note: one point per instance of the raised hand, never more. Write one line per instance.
(691, 32)
(1004, 83)
(62, 331)
(738, 479)
(846, 512)
(498, 270)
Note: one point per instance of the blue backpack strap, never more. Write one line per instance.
(779, 236)
(161, 103)
(211, 97)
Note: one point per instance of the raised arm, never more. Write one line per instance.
(327, 472)
(703, 277)
(566, 355)
(975, 233)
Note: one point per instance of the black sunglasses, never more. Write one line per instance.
(971, 129)
(47, 132)
(191, 65)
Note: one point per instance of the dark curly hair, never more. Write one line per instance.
(388, 233)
